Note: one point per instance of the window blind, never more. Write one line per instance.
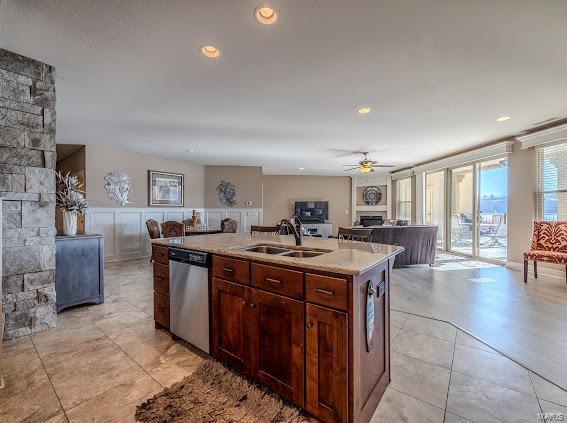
(403, 204)
(552, 182)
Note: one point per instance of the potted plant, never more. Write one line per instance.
(71, 200)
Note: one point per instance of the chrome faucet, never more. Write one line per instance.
(295, 228)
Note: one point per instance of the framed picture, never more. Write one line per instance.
(165, 189)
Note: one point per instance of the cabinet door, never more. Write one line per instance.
(277, 332)
(326, 364)
(229, 323)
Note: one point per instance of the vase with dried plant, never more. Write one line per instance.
(71, 200)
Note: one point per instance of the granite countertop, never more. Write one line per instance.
(77, 236)
(345, 257)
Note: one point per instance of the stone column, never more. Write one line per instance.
(27, 183)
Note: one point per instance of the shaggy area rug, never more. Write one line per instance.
(216, 394)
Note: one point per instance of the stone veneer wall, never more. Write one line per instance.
(27, 184)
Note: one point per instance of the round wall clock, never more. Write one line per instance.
(372, 195)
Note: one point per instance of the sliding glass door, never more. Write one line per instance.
(493, 208)
(435, 204)
(462, 209)
(479, 209)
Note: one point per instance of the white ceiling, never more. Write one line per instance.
(436, 73)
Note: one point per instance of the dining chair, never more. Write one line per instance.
(171, 228)
(264, 230)
(354, 234)
(229, 225)
(153, 228)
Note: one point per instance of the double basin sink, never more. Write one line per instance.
(283, 251)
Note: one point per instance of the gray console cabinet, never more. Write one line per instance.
(79, 270)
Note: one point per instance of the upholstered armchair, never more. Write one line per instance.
(549, 244)
(171, 228)
(229, 225)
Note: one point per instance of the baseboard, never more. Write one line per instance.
(541, 270)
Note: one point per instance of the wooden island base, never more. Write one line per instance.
(300, 332)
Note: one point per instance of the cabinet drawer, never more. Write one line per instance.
(161, 309)
(160, 254)
(278, 280)
(231, 270)
(161, 278)
(327, 291)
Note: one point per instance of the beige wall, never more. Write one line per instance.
(281, 192)
(247, 180)
(100, 161)
(522, 188)
(73, 163)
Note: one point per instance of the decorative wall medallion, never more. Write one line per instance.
(227, 193)
(118, 186)
(372, 195)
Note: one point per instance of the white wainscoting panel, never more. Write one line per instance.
(244, 217)
(125, 233)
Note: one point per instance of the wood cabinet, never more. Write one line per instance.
(160, 258)
(80, 270)
(276, 336)
(230, 323)
(299, 331)
(326, 339)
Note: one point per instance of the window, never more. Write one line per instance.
(552, 182)
(403, 203)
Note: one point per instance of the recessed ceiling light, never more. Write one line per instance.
(265, 15)
(503, 118)
(210, 51)
(364, 110)
(301, 168)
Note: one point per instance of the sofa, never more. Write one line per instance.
(419, 241)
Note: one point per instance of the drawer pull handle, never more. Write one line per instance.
(324, 291)
(157, 278)
(310, 325)
(252, 305)
(227, 270)
(277, 282)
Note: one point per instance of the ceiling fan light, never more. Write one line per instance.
(364, 169)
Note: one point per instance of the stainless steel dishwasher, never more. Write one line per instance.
(189, 296)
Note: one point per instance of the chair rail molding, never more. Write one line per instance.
(125, 233)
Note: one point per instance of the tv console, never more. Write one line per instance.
(323, 229)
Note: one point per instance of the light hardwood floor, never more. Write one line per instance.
(526, 322)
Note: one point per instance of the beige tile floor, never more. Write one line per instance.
(99, 362)
(102, 361)
(441, 374)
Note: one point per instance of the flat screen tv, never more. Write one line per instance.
(312, 211)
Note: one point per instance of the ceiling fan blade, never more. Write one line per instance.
(353, 168)
(383, 165)
(354, 164)
(372, 170)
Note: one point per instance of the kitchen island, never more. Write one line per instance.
(295, 318)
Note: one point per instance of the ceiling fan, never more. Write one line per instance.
(366, 165)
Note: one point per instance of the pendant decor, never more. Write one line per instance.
(118, 186)
(370, 291)
(372, 195)
(227, 193)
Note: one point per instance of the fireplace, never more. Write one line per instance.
(371, 220)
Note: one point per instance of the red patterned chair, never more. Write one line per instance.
(549, 244)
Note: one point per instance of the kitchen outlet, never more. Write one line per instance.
(248, 203)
